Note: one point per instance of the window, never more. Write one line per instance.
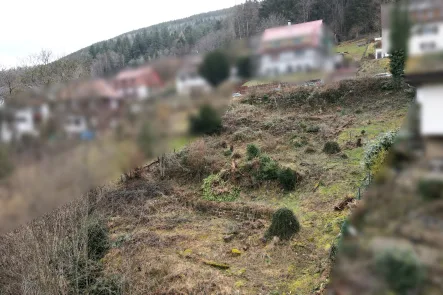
(428, 46)
(299, 52)
(297, 40)
(427, 30)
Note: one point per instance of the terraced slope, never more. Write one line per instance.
(194, 222)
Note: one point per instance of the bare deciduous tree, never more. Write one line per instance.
(274, 20)
(9, 80)
(305, 7)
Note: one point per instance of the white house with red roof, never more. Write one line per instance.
(296, 48)
(138, 83)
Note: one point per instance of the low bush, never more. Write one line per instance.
(301, 94)
(313, 129)
(216, 189)
(269, 169)
(252, 151)
(98, 238)
(331, 147)
(287, 178)
(82, 274)
(383, 142)
(208, 121)
(284, 225)
(401, 270)
(111, 285)
(430, 189)
(378, 162)
(301, 143)
(88, 278)
(333, 251)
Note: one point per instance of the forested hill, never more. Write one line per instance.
(198, 20)
(209, 31)
(199, 33)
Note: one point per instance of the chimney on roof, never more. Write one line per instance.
(289, 22)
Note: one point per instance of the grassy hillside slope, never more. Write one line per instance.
(168, 237)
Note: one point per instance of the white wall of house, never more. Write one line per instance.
(428, 41)
(427, 38)
(431, 105)
(143, 92)
(45, 112)
(386, 42)
(185, 83)
(24, 123)
(293, 61)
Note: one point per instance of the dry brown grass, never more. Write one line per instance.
(165, 238)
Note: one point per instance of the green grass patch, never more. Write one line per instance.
(179, 142)
(352, 48)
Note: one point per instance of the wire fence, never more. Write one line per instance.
(364, 185)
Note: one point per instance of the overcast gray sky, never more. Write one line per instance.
(27, 26)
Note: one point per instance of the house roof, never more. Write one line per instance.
(87, 89)
(287, 32)
(309, 34)
(141, 76)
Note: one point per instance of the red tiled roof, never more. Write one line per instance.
(141, 76)
(287, 32)
(309, 34)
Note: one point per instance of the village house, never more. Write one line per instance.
(23, 116)
(304, 47)
(188, 80)
(427, 29)
(87, 105)
(140, 83)
(424, 70)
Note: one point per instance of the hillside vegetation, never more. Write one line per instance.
(396, 242)
(196, 221)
